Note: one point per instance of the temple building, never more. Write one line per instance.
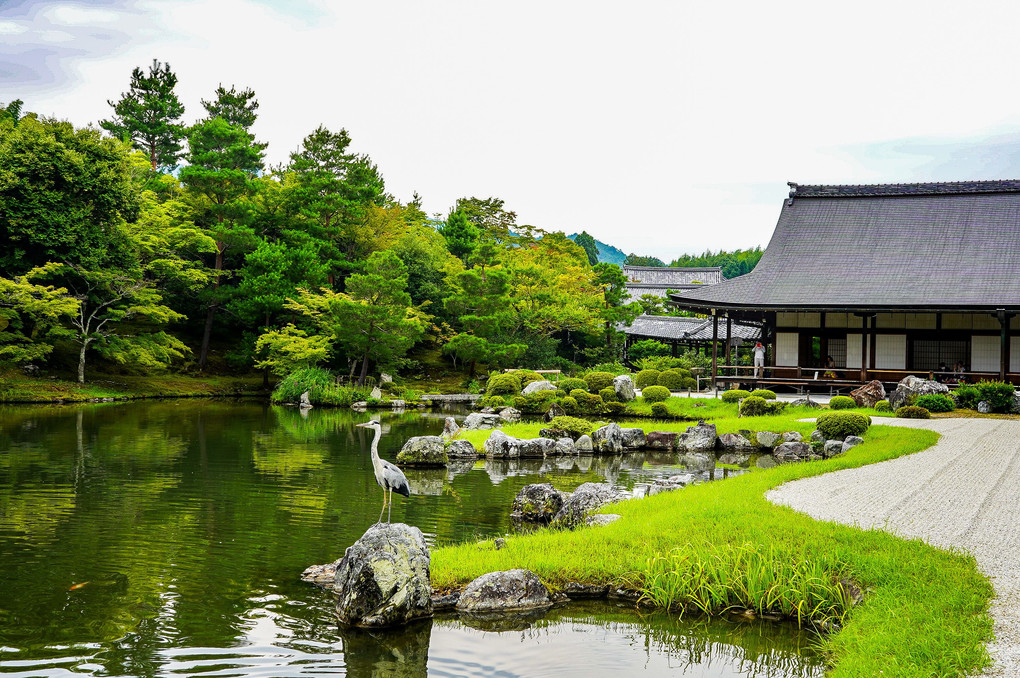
(878, 282)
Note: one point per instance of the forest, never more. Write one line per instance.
(150, 242)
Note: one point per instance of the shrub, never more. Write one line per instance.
(883, 406)
(839, 425)
(967, 396)
(503, 384)
(392, 388)
(655, 394)
(690, 383)
(587, 403)
(764, 393)
(646, 378)
(913, 412)
(537, 402)
(569, 405)
(936, 402)
(660, 410)
(998, 394)
(647, 348)
(842, 403)
(735, 394)
(615, 369)
(492, 401)
(671, 380)
(527, 376)
(615, 408)
(321, 386)
(684, 373)
(608, 395)
(575, 426)
(755, 406)
(598, 380)
(570, 383)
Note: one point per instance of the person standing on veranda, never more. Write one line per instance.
(759, 359)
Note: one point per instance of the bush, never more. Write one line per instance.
(883, 406)
(608, 395)
(647, 348)
(735, 394)
(646, 378)
(575, 426)
(998, 394)
(570, 383)
(967, 396)
(671, 380)
(764, 393)
(655, 394)
(755, 406)
(527, 376)
(684, 374)
(936, 402)
(660, 410)
(536, 403)
(321, 386)
(615, 369)
(690, 383)
(842, 403)
(839, 425)
(586, 402)
(598, 380)
(492, 401)
(392, 388)
(569, 404)
(615, 408)
(503, 384)
(913, 412)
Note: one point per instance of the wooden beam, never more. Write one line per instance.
(715, 350)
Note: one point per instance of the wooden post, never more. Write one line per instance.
(729, 337)
(715, 350)
(864, 348)
(1003, 343)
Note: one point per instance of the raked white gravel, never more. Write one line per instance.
(963, 492)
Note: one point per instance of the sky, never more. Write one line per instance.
(660, 127)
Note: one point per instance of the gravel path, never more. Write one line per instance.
(963, 492)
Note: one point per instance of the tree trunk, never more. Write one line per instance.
(471, 371)
(203, 355)
(364, 371)
(81, 361)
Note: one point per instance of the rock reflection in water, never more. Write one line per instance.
(389, 653)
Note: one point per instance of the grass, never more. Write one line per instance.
(15, 387)
(720, 545)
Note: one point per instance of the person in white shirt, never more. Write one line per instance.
(759, 359)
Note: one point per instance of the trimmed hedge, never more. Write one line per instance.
(883, 406)
(756, 406)
(735, 394)
(655, 394)
(503, 384)
(913, 412)
(764, 393)
(842, 403)
(608, 395)
(575, 426)
(672, 380)
(936, 402)
(660, 410)
(598, 380)
(527, 376)
(646, 378)
(615, 408)
(587, 403)
(570, 383)
(569, 404)
(690, 383)
(839, 425)
(998, 394)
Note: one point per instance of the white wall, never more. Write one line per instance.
(890, 352)
(1014, 354)
(787, 349)
(984, 353)
(853, 351)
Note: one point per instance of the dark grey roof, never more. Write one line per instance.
(896, 246)
(673, 276)
(636, 290)
(686, 329)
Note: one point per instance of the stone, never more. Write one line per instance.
(385, 378)
(869, 394)
(460, 449)
(817, 436)
(450, 429)
(624, 387)
(601, 519)
(1015, 406)
(555, 410)
(734, 442)
(398, 404)
(565, 447)
(792, 451)
(660, 440)
(423, 451)
(792, 437)
(506, 590)
(321, 575)
(537, 386)
(306, 401)
(383, 578)
(608, 439)
(578, 591)
(500, 445)
(554, 433)
(984, 407)
(767, 439)
(584, 445)
(488, 410)
(536, 503)
(700, 438)
(832, 448)
(510, 415)
(734, 458)
(805, 402)
(585, 499)
(633, 438)
(914, 386)
(361, 405)
(376, 393)
(851, 441)
(479, 421)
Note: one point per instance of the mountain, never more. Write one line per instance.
(607, 253)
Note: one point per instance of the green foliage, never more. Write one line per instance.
(569, 404)
(587, 403)
(537, 402)
(31, 315)
(646, 348)
(735, 263)
(598, 380)
(460, 234)
(671, 379)
(913, 412)
(616, 369)
(842, 403)
(615, 408)
(764, 393)
(237, 108)
(575, 426)
(839, 425)
(587, 243)
(290, 349)
(608, 394)
(660, 411)
(883, 406)
(690, 383)
(734, 394)
(646, 378)
(967, 396)
(635, 260)
(568, 384)
(527, 377)
(505, 383)
(998, 394)
(936, 402)
(655, 394)
(493, 401)
(322, 388)
(754, 406)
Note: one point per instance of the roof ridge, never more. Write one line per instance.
(897, 189)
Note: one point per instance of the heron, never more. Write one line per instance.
(390, 478)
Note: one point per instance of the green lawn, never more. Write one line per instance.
(17, 388)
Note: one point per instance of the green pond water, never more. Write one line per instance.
(166, 538)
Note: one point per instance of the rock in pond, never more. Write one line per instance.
(700, 438)
(734, 442)
(585, 499)
(734, 458)
(479, 421)
(584, 445)
(660, 440)
(423, 451)
(509, 590)
(633, 438)
(383, 578)
(697, 461)
(565, 447)
(767, 439)
(537, 503)
(624, 388)
(450, 429)
(608, 439)
(460, 449)
(510, 415)
(793, 452)
(500, 445)
(306, 401)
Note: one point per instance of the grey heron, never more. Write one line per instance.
(390, 478)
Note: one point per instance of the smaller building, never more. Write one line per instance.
(659, 281)
(693, 333)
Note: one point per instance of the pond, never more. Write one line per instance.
(167, 537)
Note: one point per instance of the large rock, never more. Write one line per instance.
(423, 451)
(555, 410)
(767, 439)
(633, 438)
(700, 438)
(984, 407)
(584, 444)
(376, 393)
(832, 448)
(792, 452)
(851, 441)
(624, 388)
(479, 421)
(792, 437)
(608, 439)
(536, 386)
(914, 386)
(460, 449)
(500, 445)
(660, 440)
(383, 578)
(734, 442)
(869, 394)
(510, 415)
(507, 590)
(306, 401)
(450, 429)
(537, 504)
(805, 402)
(565, 447)
(585, 499)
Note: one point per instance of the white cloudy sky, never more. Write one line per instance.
(662, 127)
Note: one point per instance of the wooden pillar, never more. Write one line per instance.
(864, 348)
(872, 342)
(715, 350)
(1003, 342)
(672, 348)
(729, 337)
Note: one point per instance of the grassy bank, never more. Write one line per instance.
(15, 387)
(719, 545)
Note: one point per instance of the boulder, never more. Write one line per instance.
(624, 388)
(914, 386)
(507, 590)
(805, 402)
(851, 441)
(384, 378)
(450, 429)
(479, 421)
(1015, 406)
(500, 445)
(869, 394)
(306, 401)
(660, 440)
(734, 442)
(792, 451)
(608, 439)
(832, 448)
(633, 438)
(537, 386)
(585, 499)
(486, 410)
(536, 503)
(700, 438)
(383, 578)
(321, 575)
(792, 437)
(423, 451)
(360, 406)
(817, 436)
(555, 410)
(984, 407)
(510, 415)
(767, 438)
(376, 393)
(554, 433)
(398, 404)
(460, 449)
(584, 445)
(565, 447)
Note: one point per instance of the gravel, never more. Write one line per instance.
(962, 492)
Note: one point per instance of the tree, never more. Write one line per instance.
(634, 260)
(460, 234)
(29, 314)
(240, 109)
(149, 114)
(589, 246)
(12, 112)
(273, 273)
(489, 217)
(733, 264)
(290, 349)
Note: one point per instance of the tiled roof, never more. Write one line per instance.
(934, 246)
(686, 329)
(673, 276)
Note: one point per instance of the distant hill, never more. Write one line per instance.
(607, 253)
